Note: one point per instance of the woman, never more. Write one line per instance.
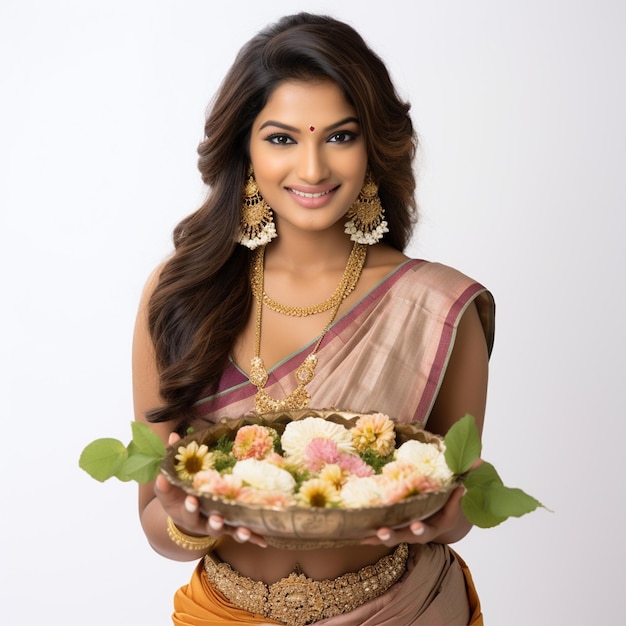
(295, 262)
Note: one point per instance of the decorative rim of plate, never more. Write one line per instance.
(298, 527)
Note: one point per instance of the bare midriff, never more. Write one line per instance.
(271, 564)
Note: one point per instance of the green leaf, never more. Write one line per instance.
(488, 502)
(511, 502)
(145, 453)
(141, 468)
(476, 506)
(139, 461)
(146, 441)
(463, 445)
(122, 476)
(103, 458)
(485, 474)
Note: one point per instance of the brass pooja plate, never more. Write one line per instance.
(298, 527)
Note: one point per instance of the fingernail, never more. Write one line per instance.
(162, 484)
(172, 439)
(242, 535)
(190, 505)
(215, 524)
(418, 530)
(383, 535)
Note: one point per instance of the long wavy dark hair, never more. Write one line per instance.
(202, 299)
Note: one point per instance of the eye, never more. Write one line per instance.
(344, 136)
(280, 139)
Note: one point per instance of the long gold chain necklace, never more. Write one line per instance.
(344, 288)
(299, 398)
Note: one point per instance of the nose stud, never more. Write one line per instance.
(312, 129)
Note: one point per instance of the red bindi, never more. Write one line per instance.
(312, 128)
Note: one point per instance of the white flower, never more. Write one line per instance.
(265, 476)
(362, 492)
(300, 433)
(427, 458)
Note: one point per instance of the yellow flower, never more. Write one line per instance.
(318, 493)
(334, 475)
(192, 459)
(374, 432)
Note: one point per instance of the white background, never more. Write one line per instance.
(520, 107)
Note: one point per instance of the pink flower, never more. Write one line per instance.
(404, 480)
(319, 452)
(211, 481)
(253, 442)
(275, 459)
(393, 492)
(410, 486)
(355, 465)
(276, 499)
(398, 470)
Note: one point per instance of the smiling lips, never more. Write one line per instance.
(312, 199)
(304, 194)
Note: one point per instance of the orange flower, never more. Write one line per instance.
(374, 432)
(253, 442)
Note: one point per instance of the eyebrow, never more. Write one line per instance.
(293, 129)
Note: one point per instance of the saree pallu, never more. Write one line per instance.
(437, 589)
(389, 353)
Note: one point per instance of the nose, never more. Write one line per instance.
(312, 164)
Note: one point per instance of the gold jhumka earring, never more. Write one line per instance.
(257, 222)
(366, 217)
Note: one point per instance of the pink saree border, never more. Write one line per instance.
(444, 348)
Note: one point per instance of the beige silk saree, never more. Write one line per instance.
(389, 353)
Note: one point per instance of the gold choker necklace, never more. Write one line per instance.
(299, 398)
(344, 288)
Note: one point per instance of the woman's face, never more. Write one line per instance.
(308, 154)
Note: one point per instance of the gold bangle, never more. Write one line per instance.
(187, 541)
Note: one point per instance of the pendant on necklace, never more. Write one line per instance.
(299, 398)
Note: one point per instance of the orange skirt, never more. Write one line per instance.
(199, 604)
(476, 614)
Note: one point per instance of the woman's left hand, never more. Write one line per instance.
(445, 526)
(184, 509)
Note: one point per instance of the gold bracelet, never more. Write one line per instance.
(187, 541)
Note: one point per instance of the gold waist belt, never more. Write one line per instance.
(298, 600)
